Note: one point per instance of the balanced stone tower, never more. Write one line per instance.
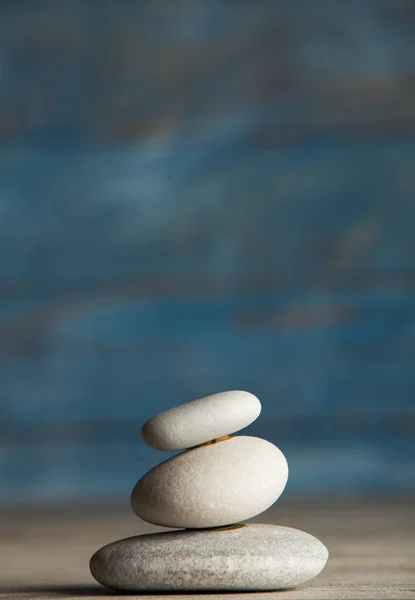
(206, 491)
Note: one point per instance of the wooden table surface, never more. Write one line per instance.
(44, 553)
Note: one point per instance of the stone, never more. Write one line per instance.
(211, 486)
(200, 421)
(248, 558)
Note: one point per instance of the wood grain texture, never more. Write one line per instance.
(44, 554)
(199, 196)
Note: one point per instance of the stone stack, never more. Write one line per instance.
(206, 491)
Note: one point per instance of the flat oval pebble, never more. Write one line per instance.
(200, 421)
(212, 485)
(253, 557)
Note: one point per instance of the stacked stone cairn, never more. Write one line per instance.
(206, 492)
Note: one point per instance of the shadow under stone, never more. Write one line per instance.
(92, 591)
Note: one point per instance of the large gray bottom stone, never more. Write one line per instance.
(250, 557)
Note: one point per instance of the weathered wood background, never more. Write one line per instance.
(205, 195)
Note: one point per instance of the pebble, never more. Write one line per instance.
(213, 485)
(250, 558)
(200, 421)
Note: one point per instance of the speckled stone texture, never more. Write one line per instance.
(252, 557)
(201, 420)
(223, 483)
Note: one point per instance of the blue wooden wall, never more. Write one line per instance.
(198, 196)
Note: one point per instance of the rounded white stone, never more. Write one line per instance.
(200, 421)
(254, 557)
(213, 485)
